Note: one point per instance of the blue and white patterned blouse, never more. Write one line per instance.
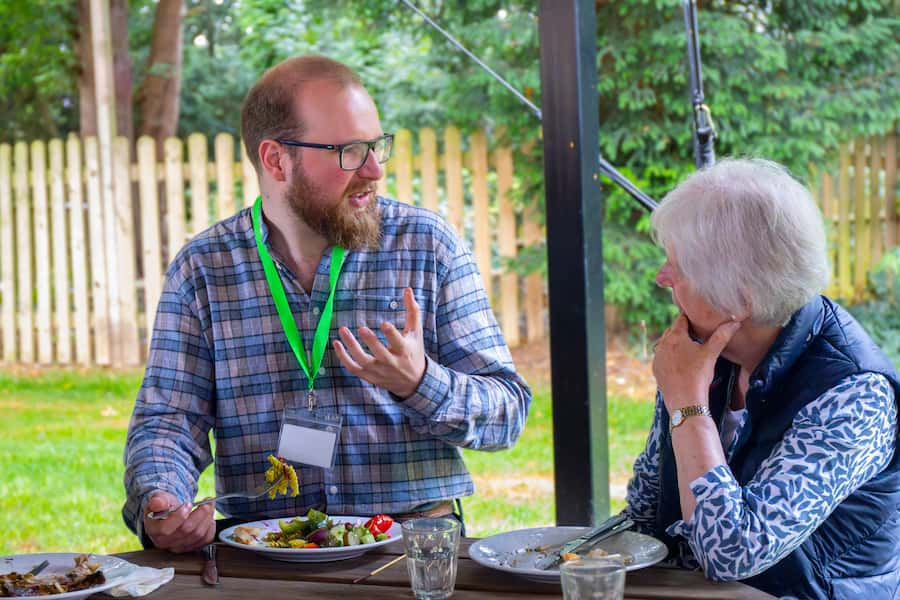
(837, 443)
(219, 360)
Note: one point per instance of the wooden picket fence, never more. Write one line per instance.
(77, 287)
(861, 211)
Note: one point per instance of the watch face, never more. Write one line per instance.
(677, 418)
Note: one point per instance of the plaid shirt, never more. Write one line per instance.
(219, 359)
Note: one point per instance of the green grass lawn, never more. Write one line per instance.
(62, 434)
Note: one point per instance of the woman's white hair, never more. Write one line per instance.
(746, 234)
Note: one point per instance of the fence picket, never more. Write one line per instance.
(23, 245)
(123, 288)
(175, 219)
(249, 183)
(7, 265)
(478, 160)
(829, 214)
(892, 210)
(61, 289)
(861, 218)
(41, 251)
(401, 159)
(199, 183)
(224, 176)
(453, 178)
(428, 168)
(535, 328)
(845, 285)
(151, 255)
(96, 247)
(78, 252)
(506, 226)
(876, 209)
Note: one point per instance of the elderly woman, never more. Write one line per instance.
(772, 456)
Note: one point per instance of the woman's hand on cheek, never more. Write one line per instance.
(684, 368)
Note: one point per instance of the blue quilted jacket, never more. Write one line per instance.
(855, 553)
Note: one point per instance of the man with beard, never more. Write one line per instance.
(344, 331)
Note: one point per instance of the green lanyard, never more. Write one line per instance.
(320, 340)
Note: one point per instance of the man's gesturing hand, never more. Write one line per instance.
(398, 367)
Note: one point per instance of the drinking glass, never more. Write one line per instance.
(593, 579)
(431, 547)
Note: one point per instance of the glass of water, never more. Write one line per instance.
(431, 547)
(593, 579)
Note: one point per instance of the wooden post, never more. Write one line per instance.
(62, 302)
(7, 265)
(78, 251)
(104, 90)
(876, 207)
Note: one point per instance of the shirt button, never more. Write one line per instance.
(393, 305)
(332, 490)
(321, 370)
(315, 310)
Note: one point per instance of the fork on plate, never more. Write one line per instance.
(162, 514)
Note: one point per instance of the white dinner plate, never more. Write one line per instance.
(114, 570)
(517, 551)
(308, 554)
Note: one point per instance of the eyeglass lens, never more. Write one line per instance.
(354, 155)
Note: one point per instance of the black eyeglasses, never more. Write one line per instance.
(353, 155)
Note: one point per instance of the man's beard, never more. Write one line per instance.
(335, 221)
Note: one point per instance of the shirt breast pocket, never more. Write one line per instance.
(355, 310)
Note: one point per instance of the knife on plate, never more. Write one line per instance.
(608, 528)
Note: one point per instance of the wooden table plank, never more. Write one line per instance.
(233, 563)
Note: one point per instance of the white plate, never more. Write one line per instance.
(517, 551)
(308, 554)
(114, 569)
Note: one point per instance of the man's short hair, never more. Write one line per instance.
(268, 110)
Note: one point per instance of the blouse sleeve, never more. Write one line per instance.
(737, 532)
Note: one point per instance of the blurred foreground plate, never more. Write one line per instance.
(517, 551)
(114, 570)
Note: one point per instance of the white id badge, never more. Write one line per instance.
(309, 437)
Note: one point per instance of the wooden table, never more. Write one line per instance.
(248, 575)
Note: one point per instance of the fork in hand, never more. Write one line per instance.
(162, 514)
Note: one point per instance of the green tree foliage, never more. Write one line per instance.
(38, 85)
(785, 79)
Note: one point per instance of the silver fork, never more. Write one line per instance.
(162, 514)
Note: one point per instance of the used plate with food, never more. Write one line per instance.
(67, 576)
(517, 551)
(315, 537)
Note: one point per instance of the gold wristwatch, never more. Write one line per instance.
(680, 414)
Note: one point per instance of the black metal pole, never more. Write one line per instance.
(575, 259)
(704, 133)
